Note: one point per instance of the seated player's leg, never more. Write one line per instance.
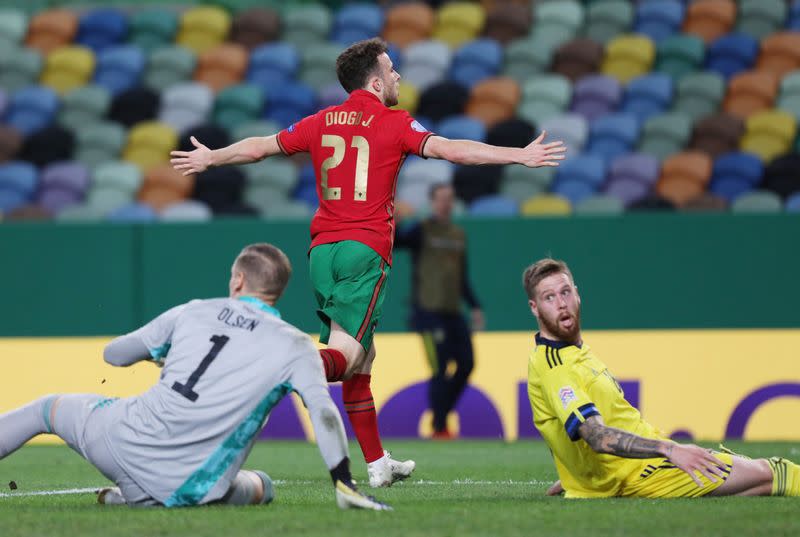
(249, 487)
(659, 478)
(761, 477)
(22, 424)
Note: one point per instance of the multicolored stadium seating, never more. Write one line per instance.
(663, 104)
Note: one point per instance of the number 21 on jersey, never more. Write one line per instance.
(339, 146)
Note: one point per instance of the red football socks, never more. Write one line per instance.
(360, 408)
(334, 363)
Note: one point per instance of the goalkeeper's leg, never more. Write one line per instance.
(22, 424)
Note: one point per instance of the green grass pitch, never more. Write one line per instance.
(460, 489)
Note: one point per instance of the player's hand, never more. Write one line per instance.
(478, 321)
(540, 154)
(555, 489)
(349, 497)
(692, 459)
(195, 161)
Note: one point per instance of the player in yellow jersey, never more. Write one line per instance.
(601, 445)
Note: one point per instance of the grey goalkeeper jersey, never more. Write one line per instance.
(226, 364)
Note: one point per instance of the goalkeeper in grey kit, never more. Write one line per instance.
(226, 363)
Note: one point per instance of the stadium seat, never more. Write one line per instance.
(793, 20)
(152, 28)
(600, 205)
(425, 63)
(426, 173)
(202, 28)
(780, 53)
(717, 134)
(255, 26)
(132, 212)
(608, 19)
(760, 18)
(80, 213)
(31, 109)
(769, 133)
(612, 135)
(62, 184)
(472, 182)
(222, 66)
(513, 132)
(102, 28)
(18, 183)
(319, 64)
(494, 206)
(750, 92)
(731, 54)
(595, 96)
(13, 26)
(134, 106)
(99, 142)
(10, 142)
(185, 105)
(544, 97)
(462, 127)
(222, 189)
(354, 22)
(304, 24)
(734, 174)
(210, 134)
(507, 22)
(789, 98)
(50, 144)
(186, 211)
(273, 65)
(684, 176)
(494, 100)
(459, 22)
(119, 68)
(238, 104)
(647, 95)
(665, 134)
(117, 175)
(254, 128)
(51, 29)
(149, 144)
(563, 20)
(525, 58)
(793, 203)
(168, 66)
(334, 94)
(782, 175)
(163, 186)
(278, 173)
(578, 58)
(572, 129)
(289, 103)
(699, 94)
(631, 177)
(659, 19)
(628, 56)
(476, 61)
(521, 187)
(68, 68)
(409, 22)
(19, 67)
(758, 201)
(580, 177)
(546, 205)
(710, 19)
(290, 210)
(680, 55)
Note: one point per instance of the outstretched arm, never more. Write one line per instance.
(534, 154)
(242, 152)
(687, 457)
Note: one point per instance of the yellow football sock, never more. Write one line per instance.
(785, 477)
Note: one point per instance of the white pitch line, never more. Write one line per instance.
(48, 492)
(422, 482)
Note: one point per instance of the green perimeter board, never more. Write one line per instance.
(67, 279)
(640, 271)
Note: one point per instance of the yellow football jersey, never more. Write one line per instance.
(566, 385)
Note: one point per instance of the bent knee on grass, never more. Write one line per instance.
(749, 477)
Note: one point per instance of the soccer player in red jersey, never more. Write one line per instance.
(357, 149)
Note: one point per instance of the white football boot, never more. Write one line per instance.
(110, 496)
(386, 470)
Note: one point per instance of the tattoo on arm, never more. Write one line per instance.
(617, 442)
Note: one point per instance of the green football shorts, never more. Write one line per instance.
(349, 280)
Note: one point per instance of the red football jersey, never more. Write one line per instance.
(357, 148)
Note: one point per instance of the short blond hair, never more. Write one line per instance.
(265, 268)
(540, 270)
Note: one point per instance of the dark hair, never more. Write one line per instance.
(358, 62)
(541, 270)
(436, 187)
(266, 269)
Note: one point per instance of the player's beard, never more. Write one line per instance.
(569, 335)
(391, 99)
